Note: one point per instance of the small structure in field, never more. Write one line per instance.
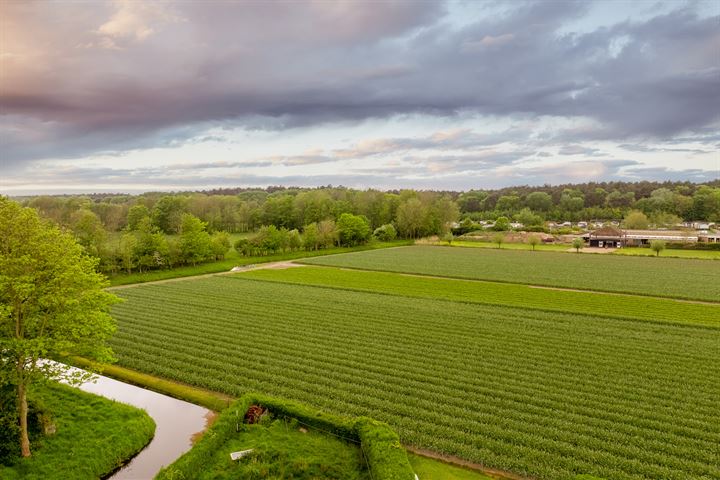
(606, 237)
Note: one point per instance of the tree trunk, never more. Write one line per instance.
(22, 412)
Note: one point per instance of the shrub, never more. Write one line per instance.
(385, 233)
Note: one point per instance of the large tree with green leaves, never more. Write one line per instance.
(52, 303)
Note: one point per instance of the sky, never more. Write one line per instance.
(132, 96)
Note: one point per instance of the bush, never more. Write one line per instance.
(385, 233)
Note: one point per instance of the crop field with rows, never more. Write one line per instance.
(667, 277)
(544, 394)
(474, 291)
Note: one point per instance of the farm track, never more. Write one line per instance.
(249, 268)
(536, 393)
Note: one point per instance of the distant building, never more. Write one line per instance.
(613, 237)
(709, 237)
(606, 237)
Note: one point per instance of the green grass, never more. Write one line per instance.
(233, 259)
(472, 291)
(282, 451)
(667, 277)
(546, 395)
(429, 469)
(670, 252)
(541, 247)
(94, 436)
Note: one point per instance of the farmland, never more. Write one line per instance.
(473, 291)
(670, 277)
(546, 394)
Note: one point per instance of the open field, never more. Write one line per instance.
(544, 394)
(94, 437)
(474, 291)
(669, 277)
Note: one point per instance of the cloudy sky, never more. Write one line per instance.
(174, 95)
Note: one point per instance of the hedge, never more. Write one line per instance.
(386, 456)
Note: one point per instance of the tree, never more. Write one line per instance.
(499, 239)
(533, 240)
(539, 201)
(194, 240)
(310, 237)
(657, 246)
(219, 244)
(294, 240)
(167, 213)
(636, 220)
(151, 247)
(448, 237)
(135, 215)
(52, 303)
(577, 244)
(502, 224)
(126, 251)
(327, 233)
(352, 229)
(411, 218)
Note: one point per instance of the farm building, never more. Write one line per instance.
(613, 237)
(606, 237)
(709, 237)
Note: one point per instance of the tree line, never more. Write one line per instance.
(162, 230)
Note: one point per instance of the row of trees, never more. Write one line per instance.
(349, 230)
(573, 204)
(413, 213)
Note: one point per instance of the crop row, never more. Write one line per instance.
(544, 394)
(659, 277)
(472, 291)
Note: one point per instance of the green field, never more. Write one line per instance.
(670, 252)
(94, 437)
(549, 395)
(473, 291)
(670, 277)
(542, 247)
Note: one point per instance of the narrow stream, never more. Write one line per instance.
(177, 423)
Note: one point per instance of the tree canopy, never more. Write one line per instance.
(52, 303)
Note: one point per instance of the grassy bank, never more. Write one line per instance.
(233, 259)
(94, 437)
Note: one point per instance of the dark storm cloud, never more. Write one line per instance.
(113, 77)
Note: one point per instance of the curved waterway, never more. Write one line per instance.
(177, 424)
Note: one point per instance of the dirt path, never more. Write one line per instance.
(245, 268)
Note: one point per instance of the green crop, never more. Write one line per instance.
(473, 291)
(667, 277)
(544, 394)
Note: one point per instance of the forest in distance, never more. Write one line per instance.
(164, 230)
